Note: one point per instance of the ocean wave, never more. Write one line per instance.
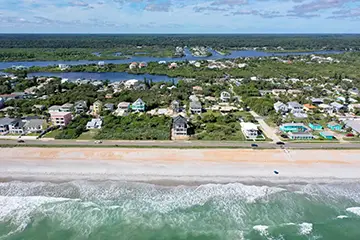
(354, 210)
(262, 229)
(305, 228)
(341, 217)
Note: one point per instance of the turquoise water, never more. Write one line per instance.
(124, 210)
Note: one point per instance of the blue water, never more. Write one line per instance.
(80, 210)
(188, 56)
(111, 76)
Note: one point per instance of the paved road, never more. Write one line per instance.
(184, 144)
(269, 131)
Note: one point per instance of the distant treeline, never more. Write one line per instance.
(95, 41)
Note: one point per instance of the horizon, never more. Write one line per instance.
(180, 17)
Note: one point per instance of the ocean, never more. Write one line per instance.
(143, 211)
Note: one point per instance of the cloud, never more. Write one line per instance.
(318, 5)
(264, 14)
(229, 2)
(346, 14)
(158, 7)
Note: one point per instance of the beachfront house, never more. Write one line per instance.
(95, 123)
(17, 126)
(315, 126)
(123, 106)
(138, 106)
(293, 127)
(317, 101)
(354, 125)
(225, 96)
(133, 65)
(131, 84)
(309, 107)
(280, 107)
(325, 108)
(67, 107)
(34, 125)
(54, 108)
(354, 91)
(4, 125)
(61, 119)
(80, 107)
(109, 107)
(295, 107)
(97, 107)
(250, 130)
(180, 126)
(337, 106)
(195, 107)
(175, 106)
(300, 136)
(327, 135)
(334, 126)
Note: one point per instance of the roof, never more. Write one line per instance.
(354, 124)
(333, 123)
(300, 134)
(327, 134)
(139, 101)
(248, 126)
(33, 123)
(225, 94)
(81, 102)
(317, 100)
(278, 104)
(55, 107)
(69, 105)
(18, 123)
(179, 119)
(97, 102)
(94, 122)
(195, 104)
(293, 125)
(309, 106)
(336, 105)
(6, 121)
(123, 104)
(294, 105)
(323, 105)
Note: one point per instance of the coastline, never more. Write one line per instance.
(180, 166)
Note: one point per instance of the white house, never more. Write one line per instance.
(250, 130)
(280, 107)
(225, 96)
(131, 83)
(95, 123)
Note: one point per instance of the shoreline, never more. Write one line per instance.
(179, 166)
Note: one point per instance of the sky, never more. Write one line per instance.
(179, 16)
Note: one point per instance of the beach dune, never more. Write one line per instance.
(196, 165)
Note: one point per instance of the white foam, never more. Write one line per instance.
(262, 229)
(354, 210)
(341, 217)
(305, 228)
(18, 209)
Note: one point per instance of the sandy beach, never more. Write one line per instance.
(195, 165)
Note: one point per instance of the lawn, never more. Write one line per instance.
(52, 134)
(88, 135)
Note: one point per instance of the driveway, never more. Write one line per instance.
(269, 131)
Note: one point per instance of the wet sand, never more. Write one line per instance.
(182, 165)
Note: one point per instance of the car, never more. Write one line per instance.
(254, 145)
(20, 141)
(98, 142)
(280, 143)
